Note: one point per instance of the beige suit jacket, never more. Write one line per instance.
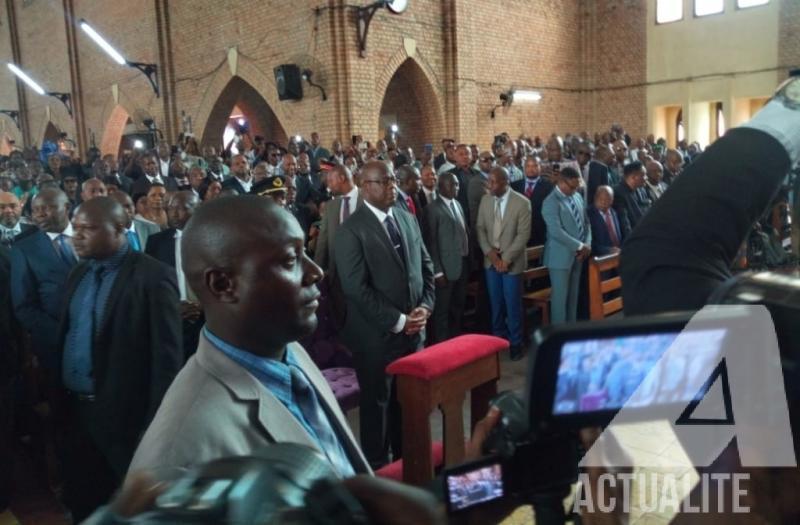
(516, 230)
(215, 408)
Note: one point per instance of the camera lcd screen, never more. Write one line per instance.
(482, 484)
(601, 374)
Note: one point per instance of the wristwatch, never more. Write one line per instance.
(788, 93)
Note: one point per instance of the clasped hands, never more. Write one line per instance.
(499, 264)
(415, 320)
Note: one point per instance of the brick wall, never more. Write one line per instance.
(789, 34)
(439, 67)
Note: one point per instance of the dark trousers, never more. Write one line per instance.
(89, 479)
(379, 410)
(449, 307)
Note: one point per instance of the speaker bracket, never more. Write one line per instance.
(363, 19)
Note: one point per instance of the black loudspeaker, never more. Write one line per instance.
(289, 82)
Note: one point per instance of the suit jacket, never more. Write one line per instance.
(216, 409)
(136, 352)
(403, 205)
(540, 193)
(323, 254)
(378, 285)
(601, 238)
(142, 185)
(38, 276)
(144, 229)
(23, 228)
(476, 189)
(563, 234)
(232, 183)
(443, 237)
(467, 195)
(682, 249)
(10, 332)
(161, 246)
(515, 232)
(307, 189)
(630, 206)
(598, 176)
(423, 198)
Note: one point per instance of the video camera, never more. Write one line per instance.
(581, 376)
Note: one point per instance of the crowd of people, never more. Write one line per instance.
(116, 272)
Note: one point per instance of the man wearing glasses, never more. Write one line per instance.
(387, 279)
(568, 244)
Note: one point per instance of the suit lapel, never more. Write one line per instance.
(378, 230)
(120, 283)
(510, 204)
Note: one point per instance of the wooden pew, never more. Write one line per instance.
(539, 299)
(599, 286)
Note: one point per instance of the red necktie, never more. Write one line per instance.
(529, 190)
(411, 207)
(612, 231)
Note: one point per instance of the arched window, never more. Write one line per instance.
(680, 131)
(668, 11)
(720, 120)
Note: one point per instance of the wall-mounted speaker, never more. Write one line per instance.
(289, 82)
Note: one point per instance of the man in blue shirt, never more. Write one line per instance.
(121, 340)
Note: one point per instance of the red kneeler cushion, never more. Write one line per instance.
(444, 357)
(394, 470)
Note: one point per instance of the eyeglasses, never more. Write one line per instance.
(390, 181)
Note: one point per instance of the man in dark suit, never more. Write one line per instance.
(673, 166)
(10, 224)
(465, 173)
(408, 183)
(448, 244)
(536, 189)
(120, 334)
(150, 165)
(166, 247)
(630, 199)
(387, 279)
(427, 193)
(41, 259)
(242, 179)
(347, 201)
(445, 156)
(137, 230)
(599, 174)
(606, 233)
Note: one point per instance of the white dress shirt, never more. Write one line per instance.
(353, 194)
(430, 195)
(246, 185)
(381, 216)
(155, 179)
(179, 267)
(164, 165)
(67, 232)
(10, 233)
(503, 203)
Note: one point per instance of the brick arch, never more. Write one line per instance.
(261, 105)
(56, 120)
(411, 92)
(114, 128)
(8, 132)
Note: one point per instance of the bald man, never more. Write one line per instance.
(121, 340)
(10, 213)
(92, 188)
(249, 384)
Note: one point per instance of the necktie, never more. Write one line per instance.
(411, 207)
(79, 361)
(394, 235)
(497, 226)
(133, 240)
(345, 207)
(612, 231)
(529, 189)
(576, 214)
(464, 242)
(306, 399)
(65, 250)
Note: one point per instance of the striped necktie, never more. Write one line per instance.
(307, 400)
(577, 215)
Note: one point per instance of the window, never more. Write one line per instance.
(680, 131)
(708, 7)
(720, 120)
(744, 4)
(668, 11)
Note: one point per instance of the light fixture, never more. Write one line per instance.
(364, 17)
(138, 144)
(525, 95)
(149, 70)
(307, 74)
(65, 98)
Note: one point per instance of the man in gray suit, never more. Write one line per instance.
(137, 231)
(448, 243)
(504, 227)
(249, 384)
(387, 279)
(569, 241)
(340, 182)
